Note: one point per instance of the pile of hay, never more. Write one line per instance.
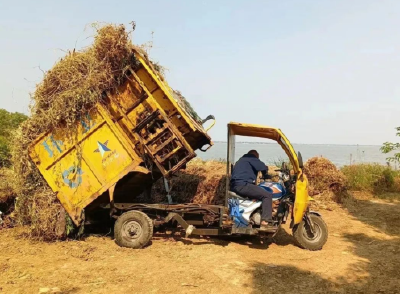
(201, 182)
(205, 182)
(71, 88)
(324, 176)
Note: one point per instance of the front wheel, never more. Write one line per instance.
(309, 240)
(133, 229)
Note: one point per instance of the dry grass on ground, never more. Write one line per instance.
(361, 256)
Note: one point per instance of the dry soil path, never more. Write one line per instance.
(362, 256)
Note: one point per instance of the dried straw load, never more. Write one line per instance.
(67, 92)
(185, 104)
(324, 176)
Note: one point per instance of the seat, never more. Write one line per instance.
(234, 195)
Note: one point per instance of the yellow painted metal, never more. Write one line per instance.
(160, 89)
(212, 125)
(251, 130)
(79, 164)
(148, 75)
(302, 198)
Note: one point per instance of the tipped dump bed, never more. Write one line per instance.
(137, 134)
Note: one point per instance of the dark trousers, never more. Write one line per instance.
(254, 192)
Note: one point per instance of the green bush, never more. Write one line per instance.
(390, 147)
(9, 121)
(373, 178)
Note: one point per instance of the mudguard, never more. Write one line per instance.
(316, 213)
(302, 198)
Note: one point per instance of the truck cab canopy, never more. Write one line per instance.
(259, 131)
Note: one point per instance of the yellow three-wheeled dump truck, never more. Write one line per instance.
(141, 132)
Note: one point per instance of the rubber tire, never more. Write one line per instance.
(307, 244)
(146, 225)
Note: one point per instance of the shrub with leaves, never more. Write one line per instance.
(9, 121)
(392, 147)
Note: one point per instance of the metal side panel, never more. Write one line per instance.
(82, 163)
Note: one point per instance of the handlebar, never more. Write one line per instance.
(204, 150)
(207, 119)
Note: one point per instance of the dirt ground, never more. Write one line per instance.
(362, 256)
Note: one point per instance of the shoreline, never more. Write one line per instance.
(309, 144)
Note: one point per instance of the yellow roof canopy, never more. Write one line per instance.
(250, 130)
(259, 131)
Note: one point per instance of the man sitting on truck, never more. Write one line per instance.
(243, 179)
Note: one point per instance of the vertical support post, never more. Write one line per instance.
(167, 190)
(230, 160)
(111, 195)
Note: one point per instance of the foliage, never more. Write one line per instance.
(9, 121)
(374, 178)
(390, 147)
(278, 162)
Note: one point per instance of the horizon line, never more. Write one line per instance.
(335, 144)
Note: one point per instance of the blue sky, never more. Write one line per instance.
(322, 71)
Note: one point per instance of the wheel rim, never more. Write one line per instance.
(131, 230)
(312, 237)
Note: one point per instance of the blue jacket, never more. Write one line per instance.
(246, 169)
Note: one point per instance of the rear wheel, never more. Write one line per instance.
(309, 240)
(133, 229)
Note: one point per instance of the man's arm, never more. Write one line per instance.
(260, 166)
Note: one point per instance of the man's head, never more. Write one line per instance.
(254, 152)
